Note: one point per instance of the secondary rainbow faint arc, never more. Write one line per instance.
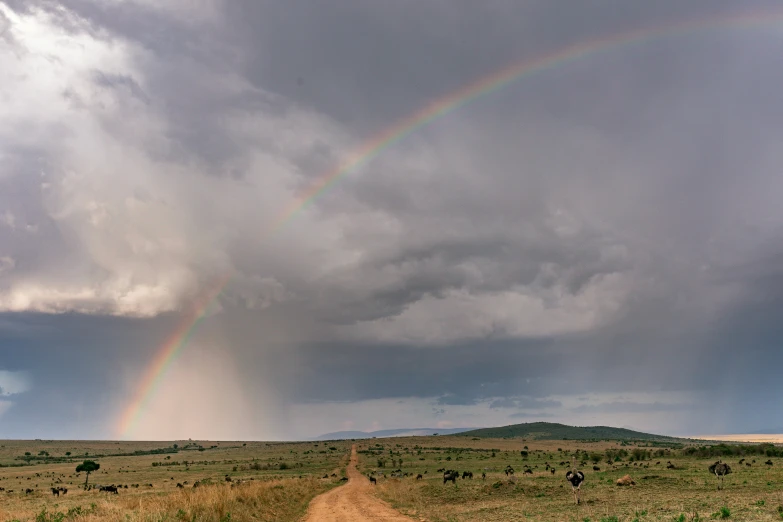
(387, 137)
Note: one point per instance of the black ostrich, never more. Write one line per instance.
(576, 478)
(721, 469)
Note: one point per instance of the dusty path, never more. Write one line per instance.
(353, 502)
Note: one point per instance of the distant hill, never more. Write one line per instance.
(401, 432)
(554, 431)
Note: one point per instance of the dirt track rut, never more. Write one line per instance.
(353, 502)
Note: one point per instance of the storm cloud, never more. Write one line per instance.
(596, 243)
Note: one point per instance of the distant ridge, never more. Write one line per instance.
(401, 432)
(554, 431)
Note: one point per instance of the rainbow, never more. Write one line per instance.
(375, 145)
(152, 378)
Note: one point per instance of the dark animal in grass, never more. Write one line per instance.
(180, 485)
(450, 475)
(721, 469)
(110, 489)
(63, 490)
(326, 476)
(741, 461)
(669, 465)
(28, 491)
(228, 479)
(509, 470)
(596, 468)
(55, 492)
(419, 476)
(467, 474)
(748, 464)
(195, 484)
(343, 479)
(575, 478)
(769, 462)
(552, 470)
(373, 480)
(528, 471)
(483, 476)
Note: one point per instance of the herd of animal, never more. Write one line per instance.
(573, 476)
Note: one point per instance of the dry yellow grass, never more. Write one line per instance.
(266, 483)
(268, 501)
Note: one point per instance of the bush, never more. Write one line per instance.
(723, 512)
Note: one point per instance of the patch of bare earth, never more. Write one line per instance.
(353, 502)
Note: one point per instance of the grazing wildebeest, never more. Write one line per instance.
(110, 489)
(509, 470)
(63, 490)
(450, 475)
(596, 468)
(228, 479)
(552, 470)
(669, 465)
(55, 492)
(721, 469)
(343, 479)
(180, 485)
(467, 474)
(483, 476)
(197, 484)
(528, 471)
(769, 462)
(373, 480)
(28, 491)
(419, 476)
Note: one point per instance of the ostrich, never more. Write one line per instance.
(721, 469)
(576, 478)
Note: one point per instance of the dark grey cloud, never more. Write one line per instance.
(604, 228)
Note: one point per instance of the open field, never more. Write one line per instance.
(690, 491)
(266, 483)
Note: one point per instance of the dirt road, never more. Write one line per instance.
(353, 502)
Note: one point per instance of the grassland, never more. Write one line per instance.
(269, 481)
(276, 481)
(686, 493)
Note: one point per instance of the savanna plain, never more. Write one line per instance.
(276, 481)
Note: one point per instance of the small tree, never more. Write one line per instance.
(88, 466)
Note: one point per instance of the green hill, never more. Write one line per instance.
(554, 431)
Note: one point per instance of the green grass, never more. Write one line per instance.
(688, 491)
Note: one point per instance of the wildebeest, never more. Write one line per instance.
(373, 480)
(450, 475)
(109, 489)
(180, 485)
(63, 490)
(419, 476)
(596, 468)
(721, 469)
(28, 491)
(467, 474)
(769, 462)
(343, 479)
(552, 470)
(55, 492)
(483, 476)
(509, 470)
(528, 471)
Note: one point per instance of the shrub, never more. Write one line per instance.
(723, 512)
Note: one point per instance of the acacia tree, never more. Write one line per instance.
(88, 466)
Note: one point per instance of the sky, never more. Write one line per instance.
(597, 243)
